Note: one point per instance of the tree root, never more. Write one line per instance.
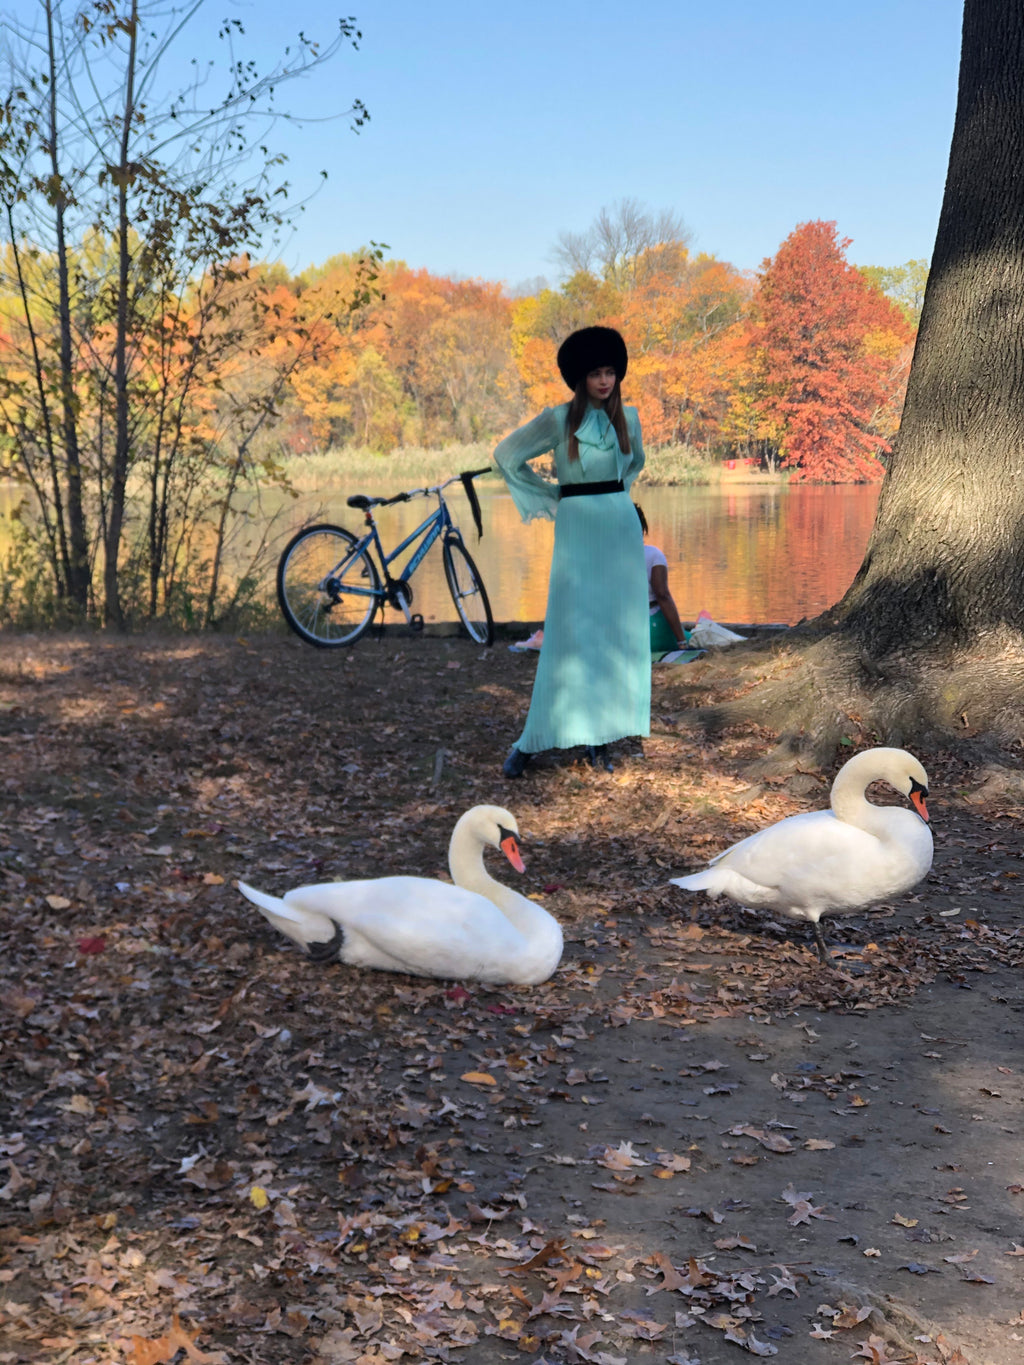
(820, 694)
(894, 1320)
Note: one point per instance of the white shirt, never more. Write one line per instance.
(652, 557)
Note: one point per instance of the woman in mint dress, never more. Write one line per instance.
(593, 683)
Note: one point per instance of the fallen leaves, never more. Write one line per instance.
(877, 1351)
(478, 1078)
(163, 1350)
(200, 1123)
(774, 1142)
(803, 1209)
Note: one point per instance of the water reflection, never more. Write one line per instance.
(744, 553)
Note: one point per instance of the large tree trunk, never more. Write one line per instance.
(928, 643)
(945, 565)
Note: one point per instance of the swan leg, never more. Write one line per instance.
(329, 950)
(819, 940)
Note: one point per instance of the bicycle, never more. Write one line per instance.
(330, 589)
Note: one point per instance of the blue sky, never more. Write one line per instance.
(494, 128)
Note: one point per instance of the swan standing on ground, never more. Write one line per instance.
(476, 930)
(832, 861)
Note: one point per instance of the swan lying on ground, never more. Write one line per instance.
(476, 930)
(832, 861)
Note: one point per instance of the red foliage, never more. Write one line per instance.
(829, 346)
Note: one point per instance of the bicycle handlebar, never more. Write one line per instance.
(466, 478)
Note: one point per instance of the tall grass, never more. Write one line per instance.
(666, 467)
(413, 466)
(676, 466)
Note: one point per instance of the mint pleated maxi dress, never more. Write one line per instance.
(593, 682)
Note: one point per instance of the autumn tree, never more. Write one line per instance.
(928, 640)
(427, 362)
(124, 220)
(904, 284)
(684, 324)
(823, 373)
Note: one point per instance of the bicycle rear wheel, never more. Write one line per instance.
(468, 593)
(327, 595)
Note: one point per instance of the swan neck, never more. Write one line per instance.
(466, 864)
(847, 799)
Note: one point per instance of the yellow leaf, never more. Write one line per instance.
(259, 1197)
(213, 879)
(902, 1222)
(478, 1078)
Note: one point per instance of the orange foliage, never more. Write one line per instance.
(830, 354)
(162, 1350)
(428, 362)
(812, 365)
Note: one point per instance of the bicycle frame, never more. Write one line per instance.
(438, 523)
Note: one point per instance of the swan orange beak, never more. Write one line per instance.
(917, 800)
(509, 845)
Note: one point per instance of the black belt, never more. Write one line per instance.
(577, 490)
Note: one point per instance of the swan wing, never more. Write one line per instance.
(816, 861)
(417, 925)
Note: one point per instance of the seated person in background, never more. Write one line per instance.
(667, 631)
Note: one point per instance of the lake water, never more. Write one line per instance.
(743, 552)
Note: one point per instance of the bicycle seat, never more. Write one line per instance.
(361, 501)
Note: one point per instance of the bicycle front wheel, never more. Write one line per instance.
(327, 594)
(468, 593)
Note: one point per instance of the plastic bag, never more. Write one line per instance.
(709, 634)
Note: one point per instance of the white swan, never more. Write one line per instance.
(476, 930)
(832, 861)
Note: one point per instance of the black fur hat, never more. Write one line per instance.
(589, 349)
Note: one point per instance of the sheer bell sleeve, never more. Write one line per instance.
(533, 495)
(636, 455)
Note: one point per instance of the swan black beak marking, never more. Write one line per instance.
(509, 845)
(918, 795)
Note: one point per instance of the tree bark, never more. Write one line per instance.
(944, 568)
(73, 531)
(113, 613)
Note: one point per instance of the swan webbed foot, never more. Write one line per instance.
(328, 951)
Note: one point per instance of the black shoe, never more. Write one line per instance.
(516, 763)
(599, 758)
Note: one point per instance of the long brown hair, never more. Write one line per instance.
(578, 410)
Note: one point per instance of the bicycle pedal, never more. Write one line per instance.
(416, 622)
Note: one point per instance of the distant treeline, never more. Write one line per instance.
(801, 366)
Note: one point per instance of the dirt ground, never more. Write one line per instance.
(693, 1142)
